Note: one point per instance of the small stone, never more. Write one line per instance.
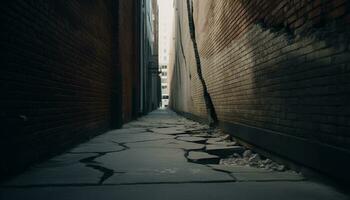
(254, 158)
(236, 155)
(226, 137)
(247, 153)
(241, 162)
(223, 151)
(281, 168)
(266, 161)
(273, 166)
(202, 158)
(192, 139)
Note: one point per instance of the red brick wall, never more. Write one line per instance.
(128, 57)
(276, 65)
(57, 72)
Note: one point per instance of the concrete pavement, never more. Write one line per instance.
(160, 156)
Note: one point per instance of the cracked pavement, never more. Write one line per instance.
(159, 156)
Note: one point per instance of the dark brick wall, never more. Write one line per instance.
(58, 71)
(129, 58)
(281, 66)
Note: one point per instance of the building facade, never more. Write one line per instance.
(164, 85)
(150, 79)
(71, 70)
(276, 74)
(165, 38)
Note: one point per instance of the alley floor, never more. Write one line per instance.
(158, 157)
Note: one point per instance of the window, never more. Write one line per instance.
(165, 97)
(164, 66)
(164, 73)
(164, 87)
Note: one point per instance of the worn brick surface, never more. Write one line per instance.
(56, 76)
(277, 65)
(128, 59)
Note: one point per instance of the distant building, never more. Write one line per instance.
(165, 36)
(150, 79)
(164, 85)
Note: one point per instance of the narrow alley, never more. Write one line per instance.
(160, 156)
(175, 99)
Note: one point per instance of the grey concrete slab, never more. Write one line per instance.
(130, 138)
(214, 139)
(168, 143)
(133, 130)
(142, 124)
(269, 176)
(64, 160)
(97, 147)
(202, 157)
(218, 139)
(156, 165)
(147, 165)
(222, 150)
(168, 131)
(182, 135)
(70, 174)
(179, 174)
(195, 129)
(63, 169)
(144, 159)
(223, 143)
(238, 169)
(192, 139)
(200, 134)
(186, 191)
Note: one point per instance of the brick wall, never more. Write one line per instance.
(128, 58)
(186, 92)
(57, 76)
(280, 66)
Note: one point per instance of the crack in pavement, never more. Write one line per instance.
(122, 144)
(139, 141)
(91, 159)
(97, 152)
(91, 163)
(106, 172)
(223, 171)
(196, 130)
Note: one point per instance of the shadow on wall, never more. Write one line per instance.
(299, 78)
(56, 77)
(299, 83)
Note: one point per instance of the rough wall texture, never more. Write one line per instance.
(186, 91)
(57, 75)
(128, 58)
(282, 66)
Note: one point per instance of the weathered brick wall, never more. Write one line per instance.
(57, 70)
(128, 58)
(276, 65)
(186, 92)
